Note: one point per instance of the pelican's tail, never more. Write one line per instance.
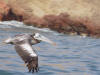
(33, 65)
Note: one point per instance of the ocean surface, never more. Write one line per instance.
(73, 55)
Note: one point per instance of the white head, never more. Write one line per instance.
(39, 37)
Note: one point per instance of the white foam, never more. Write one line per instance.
(9, 24)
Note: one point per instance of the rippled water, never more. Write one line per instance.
(73, 55)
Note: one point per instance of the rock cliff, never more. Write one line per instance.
(67, 16)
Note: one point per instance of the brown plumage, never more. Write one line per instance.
(31, 62)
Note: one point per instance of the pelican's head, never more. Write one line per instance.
(40, 37)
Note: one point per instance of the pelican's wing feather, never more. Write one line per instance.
(25, 51)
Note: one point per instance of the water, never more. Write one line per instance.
(73, 55)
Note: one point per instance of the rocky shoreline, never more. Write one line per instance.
(61, 22)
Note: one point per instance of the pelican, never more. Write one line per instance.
(23, 46)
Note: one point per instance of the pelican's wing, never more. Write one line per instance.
(26, 52)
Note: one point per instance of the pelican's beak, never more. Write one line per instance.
(47, 40)
(43, 38)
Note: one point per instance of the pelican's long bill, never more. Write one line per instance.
(43, 38)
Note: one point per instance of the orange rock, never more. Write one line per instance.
(4, 9)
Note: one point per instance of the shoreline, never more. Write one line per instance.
(62, 23)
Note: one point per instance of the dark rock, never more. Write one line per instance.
(4, 9)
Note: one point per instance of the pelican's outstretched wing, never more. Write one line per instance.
(26, 52)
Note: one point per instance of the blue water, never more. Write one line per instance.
(73, 55)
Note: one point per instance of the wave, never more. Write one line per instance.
(11, 24)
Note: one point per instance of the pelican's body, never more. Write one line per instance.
(23, 45)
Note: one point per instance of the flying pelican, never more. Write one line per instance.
(23, 45)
